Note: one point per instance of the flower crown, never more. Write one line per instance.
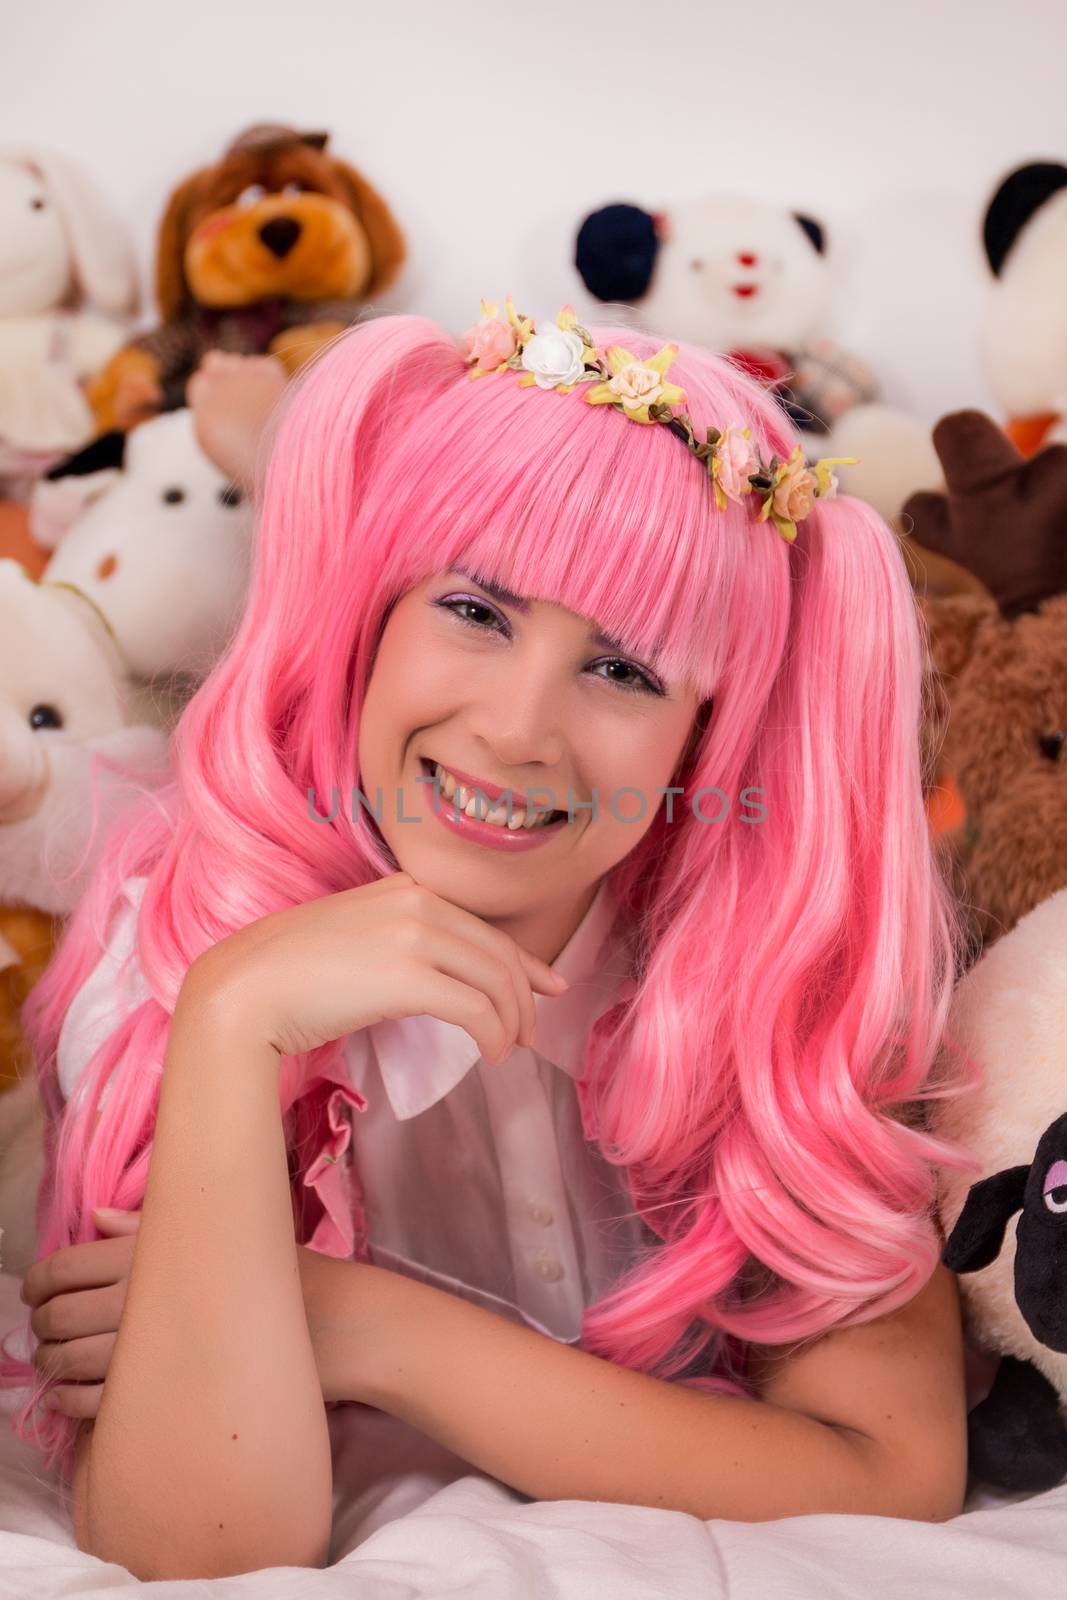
(565, 357)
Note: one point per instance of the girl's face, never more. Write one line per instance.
(472, 684)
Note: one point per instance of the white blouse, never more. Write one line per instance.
(473, 1177)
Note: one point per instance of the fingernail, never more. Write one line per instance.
(109, 1211)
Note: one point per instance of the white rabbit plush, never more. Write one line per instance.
(68, 287)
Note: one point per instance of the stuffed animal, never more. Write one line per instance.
(998, 704)
(740, 276)
(155, 535)
(68, 287)
(998, 722)
(1024, 332)
(753, 280)
(1010, 1013)
(70, 762)
(274, 249)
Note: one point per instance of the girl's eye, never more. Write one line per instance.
(643, 684)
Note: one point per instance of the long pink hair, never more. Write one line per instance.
(764, 1084)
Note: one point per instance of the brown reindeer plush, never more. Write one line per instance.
(999, 688)
(273, 250)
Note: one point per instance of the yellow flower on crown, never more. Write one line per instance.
(636, 384)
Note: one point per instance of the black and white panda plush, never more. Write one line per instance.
(1024, 331)
(753, 281)
(737, 275)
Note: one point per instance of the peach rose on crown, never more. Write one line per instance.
(564, 356)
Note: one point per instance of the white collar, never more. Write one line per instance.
(422, 1058)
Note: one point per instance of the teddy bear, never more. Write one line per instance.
(70, 762)
(160, 540)
(273, 249)
(753, 280)
(740, 276)
(1023, 341)
(997, 726)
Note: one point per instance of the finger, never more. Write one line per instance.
(499, 978)
(75, 1316)
(468, 1007)
(76, 1266)
(527, 971)
(76, 1360)
(113, 1222)
(74, 1399)
(543, 977)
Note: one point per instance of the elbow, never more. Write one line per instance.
(155, 1551)
(153, 1562)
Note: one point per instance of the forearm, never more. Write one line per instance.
(555, 1422)
(211, 1449)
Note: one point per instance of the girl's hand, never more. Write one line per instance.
(231, 398)
(315, 972)
(78, 1293)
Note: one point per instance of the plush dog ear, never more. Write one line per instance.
(388, 244)
(172, 290)
(977, 1238)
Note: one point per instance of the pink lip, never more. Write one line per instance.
(490, 834)
(493, 790)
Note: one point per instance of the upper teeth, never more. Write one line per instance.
(469, 802)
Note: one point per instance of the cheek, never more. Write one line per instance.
(633, 759)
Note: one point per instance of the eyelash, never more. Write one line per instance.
(646, 686)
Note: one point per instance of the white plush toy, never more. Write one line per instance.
(161, 541)
(1010, 1013)
(68, 287)
(753, 280)
(70, 762)
(1024, 330)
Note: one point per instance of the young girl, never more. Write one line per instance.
(598, 1119)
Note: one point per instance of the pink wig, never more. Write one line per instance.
(764, 1084)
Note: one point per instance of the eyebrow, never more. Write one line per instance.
(508, 598)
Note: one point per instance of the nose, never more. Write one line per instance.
(519, 723)
(747, 259)
(280, 234)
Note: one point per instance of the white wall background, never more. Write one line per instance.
(493, 128)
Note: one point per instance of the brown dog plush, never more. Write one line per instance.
(273, 250)
(998, 717)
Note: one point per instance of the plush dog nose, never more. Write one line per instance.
(280, 234)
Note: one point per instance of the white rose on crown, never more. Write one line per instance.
(554, 357)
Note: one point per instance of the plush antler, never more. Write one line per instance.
(1004, 518)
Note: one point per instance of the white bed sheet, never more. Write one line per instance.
(425, 1525)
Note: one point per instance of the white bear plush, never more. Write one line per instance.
(1010, 1013)
(70, 763)
(68, 287)
(161, 542)
(753, 281)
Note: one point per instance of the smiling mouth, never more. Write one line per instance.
(476, 804)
